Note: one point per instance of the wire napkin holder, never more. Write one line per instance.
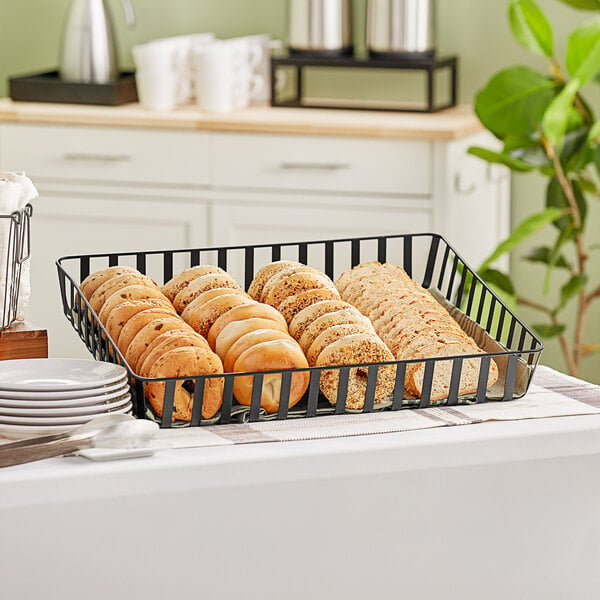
(16, 250)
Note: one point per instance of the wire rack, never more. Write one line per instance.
(16, 248)
(428, 258)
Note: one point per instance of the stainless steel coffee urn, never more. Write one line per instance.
(401, 28)
(320, 27)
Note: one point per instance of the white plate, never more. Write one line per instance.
(57, 374)
(34, 402)
(61, 395)
(50, 421)
(20, 432)
(66, 411)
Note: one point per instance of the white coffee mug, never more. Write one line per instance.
(267, 47)
(156, 75)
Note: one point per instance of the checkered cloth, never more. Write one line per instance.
(551, 394)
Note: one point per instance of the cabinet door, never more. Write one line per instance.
(236, 224)
(66, 225)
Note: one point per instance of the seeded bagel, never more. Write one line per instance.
(332, 334)
(320, 324)
(357, 349)
(282, 275)
(292, 305)
(265, 273)
(202, 284)
(296, 283)
(309, 314)
(177, 283)
(203, 318)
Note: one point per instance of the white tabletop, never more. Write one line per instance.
(494, 510)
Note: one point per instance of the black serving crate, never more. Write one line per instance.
(49, 87)
(428, 258)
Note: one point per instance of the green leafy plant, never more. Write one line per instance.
(545, 125)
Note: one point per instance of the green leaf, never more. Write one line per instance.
(583, 52)
(543, 254)
(576, 153)
(596, 158)
(583, 4)
(594, 134)
(514, 101)
(526, 149)
(526, 228)
(500, 158)
(556, 118)
(572, 288)
(555, 197)
(548, 331)
(530, 27)
(499, 280)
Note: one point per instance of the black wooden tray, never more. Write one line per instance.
(49, 87)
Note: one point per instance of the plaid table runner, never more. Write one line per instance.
(551, 394)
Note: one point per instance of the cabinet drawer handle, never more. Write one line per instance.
(302, 166)
(88, 157)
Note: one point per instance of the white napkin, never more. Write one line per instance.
(16, 190)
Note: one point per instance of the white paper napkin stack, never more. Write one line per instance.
(16, 190)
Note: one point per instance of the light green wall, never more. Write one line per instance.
(476, 30)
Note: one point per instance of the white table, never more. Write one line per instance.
(503, 511)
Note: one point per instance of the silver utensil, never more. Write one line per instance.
(106, 431)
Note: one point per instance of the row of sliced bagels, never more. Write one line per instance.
(414, 325)
(154, 340)
(247, 335)
(330, 331)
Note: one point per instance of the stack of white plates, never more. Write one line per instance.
(48, 395)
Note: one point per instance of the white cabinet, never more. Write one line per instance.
(125, 188)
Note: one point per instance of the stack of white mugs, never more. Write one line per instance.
(218, 75)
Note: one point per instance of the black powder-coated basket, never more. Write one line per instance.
(428, 258)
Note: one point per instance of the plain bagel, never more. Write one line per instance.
(273, 355)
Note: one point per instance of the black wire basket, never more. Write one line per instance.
(16, 249)
(428, 258)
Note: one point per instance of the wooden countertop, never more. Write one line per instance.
(449, 124)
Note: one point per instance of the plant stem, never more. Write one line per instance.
(572, 366)
(582, 257)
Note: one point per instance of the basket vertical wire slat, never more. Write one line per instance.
(313, 393)
(457, 365)
(399, 385)
(227, 399)
(284, 398)
(257, 385)
(199, 387)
